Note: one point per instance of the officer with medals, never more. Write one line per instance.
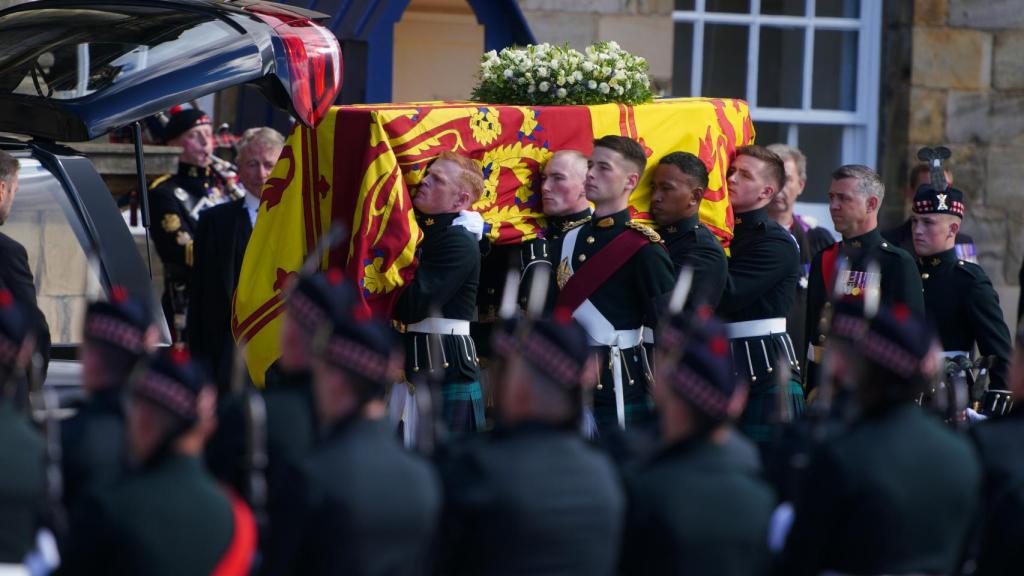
(533, 497)
(855, 196)
(677, 189)
(117, 337)
(695, 507)
(958, 296)
(168, 516)
(1002, 458)
(764, 268)
(897, 493)
(435, 309)
(22, 450)
(611, 273)
(175, 201)
(359, 503)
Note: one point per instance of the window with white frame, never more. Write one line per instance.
(808, 68)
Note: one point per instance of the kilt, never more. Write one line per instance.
(761, 415)
(462, 405)
(639, 406)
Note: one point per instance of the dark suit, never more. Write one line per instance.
(16, 276)
(221, 238)
(1002, 461)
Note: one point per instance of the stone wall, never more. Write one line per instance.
(644, 27)
(967, 91)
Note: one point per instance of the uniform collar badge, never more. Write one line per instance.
(606, 222)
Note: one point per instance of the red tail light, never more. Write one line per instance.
(314, 61)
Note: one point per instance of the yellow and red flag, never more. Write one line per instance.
(359, 165)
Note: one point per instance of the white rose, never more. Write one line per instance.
(606, 71)
(577, 75)
(509, 73)
(587, 67)
(530, 89)
(561, 93)
(619, 90)
(603, 88)
(591, 84)
(544, 86)
(613, 45)
(542, 72)
(522, 81)
(524, 66)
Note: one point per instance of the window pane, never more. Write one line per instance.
(684, 4)
(727, 6)
(823, 146)
(682, 61)
(725, 61)
(63, 277)
(835, 70)
(770, 132)
(838, 8)
(783, 7)
(780, 71)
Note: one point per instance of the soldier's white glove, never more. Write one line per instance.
(471, 221)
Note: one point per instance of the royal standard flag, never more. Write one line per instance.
(359, 167)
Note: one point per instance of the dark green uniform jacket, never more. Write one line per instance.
(445, 284)
(895, 494)
(691, 244)
(545, 251)
(93, 445)
(359, 505)
(169, 518)
(1002, 459)
(22, 485)
(698, 508)
(964, 308)
(900, 282)
(531, 500)
(629, 299)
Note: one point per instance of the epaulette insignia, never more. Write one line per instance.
(606, 222)
(159, 180)
(645, 230)
(575, 223)
(171, 223)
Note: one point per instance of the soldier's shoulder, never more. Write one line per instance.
(970, 270)
(644, 229)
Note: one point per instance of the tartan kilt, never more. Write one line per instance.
(639, 406)
(761, 415)
(462, 406)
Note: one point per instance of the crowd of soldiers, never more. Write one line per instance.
(657, 412)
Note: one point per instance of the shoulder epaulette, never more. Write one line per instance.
(159, 180)
(575, 223)
(971, 268)
(645, 230)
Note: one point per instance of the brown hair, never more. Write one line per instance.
(8, 166)
(470, 175)
(630, 149)
(774, 166)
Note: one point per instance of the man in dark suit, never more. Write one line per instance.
(221, 238)
(15, 275)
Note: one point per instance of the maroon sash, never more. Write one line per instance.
(588, 278)
(828, 268)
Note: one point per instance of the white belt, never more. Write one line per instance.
(648, 335)
(754, 328)
(440, 326)
(617, 338)
(955, 353)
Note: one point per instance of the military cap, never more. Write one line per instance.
(14, 328)
(314, 297)
(352, 340)
(173, 381)
(899, 341)
(120, 322)
(703, 374)
(184, 120)
(557, 346)
(928, 200)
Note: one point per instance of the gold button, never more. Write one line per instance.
(924, 276)
(961, 262)
(582, 257)
(885, 244)
(590, 239)
(600, 387)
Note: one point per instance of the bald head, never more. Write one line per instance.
(561, 189)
